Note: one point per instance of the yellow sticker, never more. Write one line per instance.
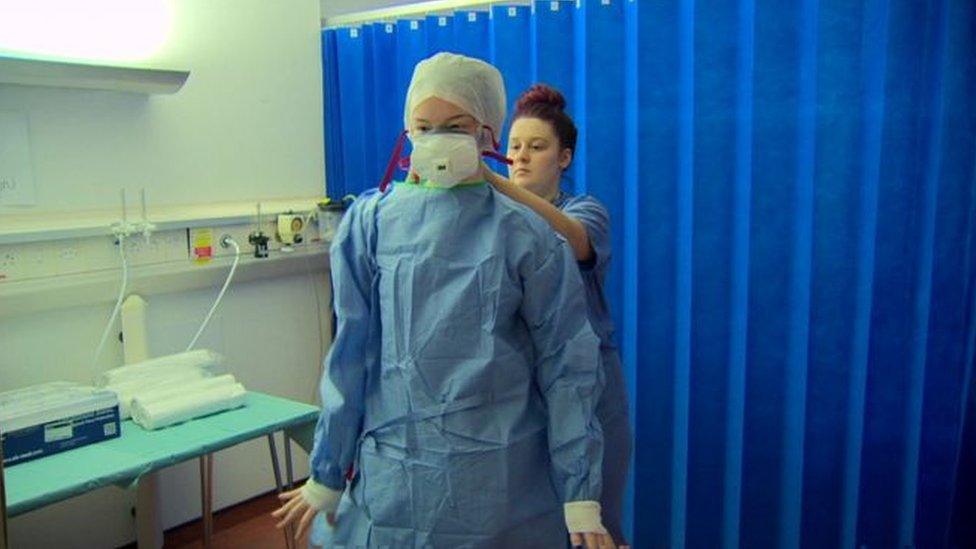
(201, 245)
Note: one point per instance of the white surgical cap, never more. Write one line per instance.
(469, 83)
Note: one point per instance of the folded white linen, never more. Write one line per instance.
(161, 413)
(201, 358)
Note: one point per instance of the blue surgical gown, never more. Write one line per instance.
(464, 377)
(612, 409)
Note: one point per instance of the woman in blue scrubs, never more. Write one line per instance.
(541, 143)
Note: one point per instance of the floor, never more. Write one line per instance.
(245, 525)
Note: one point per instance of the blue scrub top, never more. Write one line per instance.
(596, 220)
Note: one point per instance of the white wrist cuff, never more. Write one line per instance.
(320, 497)
(583, 517)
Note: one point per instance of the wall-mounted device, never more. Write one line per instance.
(290, 229)
(258, 239)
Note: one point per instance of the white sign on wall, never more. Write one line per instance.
(16, 171)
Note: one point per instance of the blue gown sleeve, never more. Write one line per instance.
(567, 371)
(343, 383)
(596, 220)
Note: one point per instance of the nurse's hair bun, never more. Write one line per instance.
(546, 103)
(541, 95)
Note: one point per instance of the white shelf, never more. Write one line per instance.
(20, 228)
(102, 286)
(60, 74)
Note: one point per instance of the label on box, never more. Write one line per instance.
(58, 436)
(57, 432)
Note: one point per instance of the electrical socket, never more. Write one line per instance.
(240, 235)
(68, 253)
(10, 259)
(8, 185)
(36, 259)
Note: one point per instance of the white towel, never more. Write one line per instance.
(154, 381)
(175, 390)
(201, 359)
(161, 413)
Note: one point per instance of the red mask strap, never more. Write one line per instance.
(495, 154)
(494, 142)
(395, 160)
(498, 156)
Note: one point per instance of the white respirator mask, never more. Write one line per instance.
(444, 159)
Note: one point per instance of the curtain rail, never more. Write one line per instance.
(418, 9)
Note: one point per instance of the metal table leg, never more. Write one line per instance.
(206, 497)
(289, 469)
(276, 467)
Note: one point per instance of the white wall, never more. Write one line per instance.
(247, 125)
(331, 8)
(271, 335)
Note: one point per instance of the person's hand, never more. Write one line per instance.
(295, 508)
(489, 174)
(301, 505)
(592, 541)
(585, 526)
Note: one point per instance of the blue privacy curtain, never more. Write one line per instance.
(793, 195)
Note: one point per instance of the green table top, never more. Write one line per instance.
(123, 460)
